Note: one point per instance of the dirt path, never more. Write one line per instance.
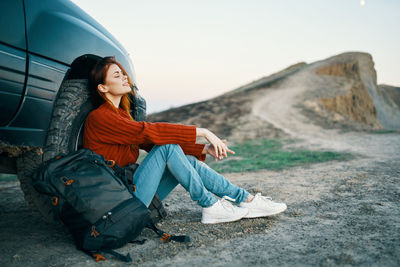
(280, 107)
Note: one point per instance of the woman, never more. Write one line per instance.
(174, 157)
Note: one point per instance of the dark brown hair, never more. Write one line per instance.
(98, 76)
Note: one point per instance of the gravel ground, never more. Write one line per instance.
(339, 213)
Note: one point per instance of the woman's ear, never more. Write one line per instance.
(102, 88)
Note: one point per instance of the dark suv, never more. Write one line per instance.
(47, 48)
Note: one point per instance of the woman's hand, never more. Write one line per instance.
(217, 147)
(209, 149)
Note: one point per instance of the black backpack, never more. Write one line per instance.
(138, 105)
(98, 207)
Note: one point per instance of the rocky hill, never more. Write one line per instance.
(338, 92)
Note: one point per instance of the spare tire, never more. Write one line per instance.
(64, 135)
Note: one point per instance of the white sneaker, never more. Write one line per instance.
(223, 211)
(262, 206)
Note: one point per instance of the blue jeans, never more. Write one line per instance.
(166, 166)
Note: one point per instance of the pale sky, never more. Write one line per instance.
(186, 51)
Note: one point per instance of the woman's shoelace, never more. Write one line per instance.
(264, 198)
(226, 204)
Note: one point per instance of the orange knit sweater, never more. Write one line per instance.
(114, 136)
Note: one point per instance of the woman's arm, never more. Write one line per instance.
(106, 126)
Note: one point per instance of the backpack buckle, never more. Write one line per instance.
(98, 257)
(67, 181)
(110, 163)
(94, 232)
(166, 238)
(54, 201)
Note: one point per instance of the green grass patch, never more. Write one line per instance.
(4, 177)
(270, 154)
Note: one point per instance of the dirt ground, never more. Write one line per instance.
(339, 213)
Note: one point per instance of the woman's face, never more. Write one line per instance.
(116, 83)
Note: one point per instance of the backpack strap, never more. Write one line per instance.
(141, 241)
(167, 237)
(124, 258)
(125, 174)
(98, 255)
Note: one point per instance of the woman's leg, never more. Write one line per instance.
(148, 176)
(216, 183)
(213, 181)
(167, 184)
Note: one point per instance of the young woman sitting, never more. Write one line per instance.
(173, 158)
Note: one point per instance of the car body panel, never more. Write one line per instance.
(34, 65)
(12, 15)
(12, 58)
(59, 30)
(12, 81)
(33, 118)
